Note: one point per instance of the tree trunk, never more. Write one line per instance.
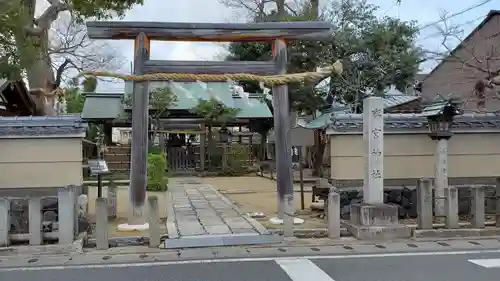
(280, 8)
(41, 79)
(263, 141)
(261, 14)
(40, 74)
(151, 132)
(315, 8)
(108, 133)
(210, 147)
(319, 145)
(156, 126)
(162, 135)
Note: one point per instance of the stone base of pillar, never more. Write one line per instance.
(278, 221)
(125, 227)
(376, 222)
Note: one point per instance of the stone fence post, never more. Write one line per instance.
(154, 222)
(451, 210)
(67, 202)
(497, 206)
(288, 218)
(101, 227)
(35, 221)
(112, 202)
(4, 221)
(333, 214)
(424, 204)
(478, 207)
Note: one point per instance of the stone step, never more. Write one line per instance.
(118, 165)
(117, 150)
(117, 157)
(199, 241)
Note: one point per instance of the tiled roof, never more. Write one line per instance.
(41, 126)
(439, 108)
(395, 100)
(345, 123)
(102, 106)
(188, 94)
(321, 121)
(325, 119)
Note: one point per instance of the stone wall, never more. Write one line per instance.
(40, 162)
(406, 199)
(41, 151)
(411, 156)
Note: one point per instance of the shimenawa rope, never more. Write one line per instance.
(268, 80)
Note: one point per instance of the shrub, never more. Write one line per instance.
(238, 161)
(216, 158)
(154, 149)
(157, 172)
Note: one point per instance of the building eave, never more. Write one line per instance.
(66, 126)
(415, 123)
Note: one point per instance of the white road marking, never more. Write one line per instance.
(488, 263)
(163, 263)
(303, 270)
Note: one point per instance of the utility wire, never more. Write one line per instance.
(455, 14)
(457, 26)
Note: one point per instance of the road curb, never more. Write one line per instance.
(311, 233)
(341, 247)
(77, 247)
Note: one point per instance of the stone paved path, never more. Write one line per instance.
(201, 210)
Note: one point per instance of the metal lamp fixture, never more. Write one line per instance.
(440, 119)
(440, 127)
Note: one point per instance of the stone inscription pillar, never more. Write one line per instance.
(373, 136)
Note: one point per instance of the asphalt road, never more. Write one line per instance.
(369, 267)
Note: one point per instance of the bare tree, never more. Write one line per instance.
(40, 74)
(71, 50)
(30, 51)
(259, 10)
(477, 60)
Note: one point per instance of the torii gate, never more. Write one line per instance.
(143, 32)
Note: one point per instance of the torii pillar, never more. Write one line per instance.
(142, 32)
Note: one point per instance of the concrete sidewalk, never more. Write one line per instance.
(289, 248)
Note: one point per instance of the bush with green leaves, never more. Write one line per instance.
(238, 161)
(157, 172)
(214, 112)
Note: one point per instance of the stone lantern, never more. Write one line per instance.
(224, 135)
(440, 120)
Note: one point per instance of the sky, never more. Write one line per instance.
(420, 11)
